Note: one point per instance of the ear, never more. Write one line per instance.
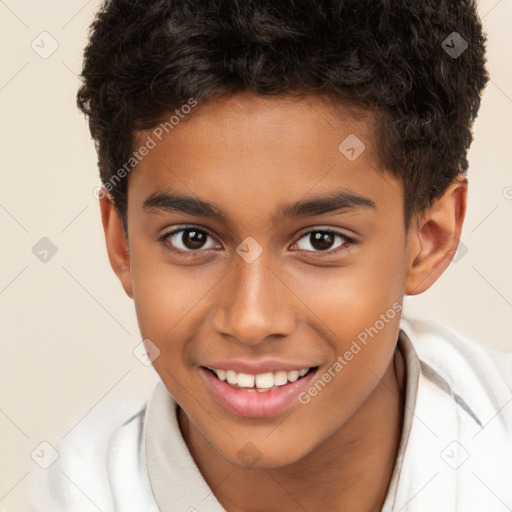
(117, 246)
(433, 238)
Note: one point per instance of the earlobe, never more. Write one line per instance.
(117, 246)
(434, 237)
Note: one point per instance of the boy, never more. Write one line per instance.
(276, 177)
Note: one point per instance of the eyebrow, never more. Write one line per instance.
(336, 201)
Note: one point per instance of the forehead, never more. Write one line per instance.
(259, 117)
(254, 151)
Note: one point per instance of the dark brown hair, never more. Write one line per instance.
(419, 65)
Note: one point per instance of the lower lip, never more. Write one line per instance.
(255, 404)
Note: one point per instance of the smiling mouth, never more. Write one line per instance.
(262, 382)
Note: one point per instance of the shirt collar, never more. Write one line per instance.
(174, 476)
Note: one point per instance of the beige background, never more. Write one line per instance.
(67, 331)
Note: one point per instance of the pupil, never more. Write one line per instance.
(193, 239)
(321, 240)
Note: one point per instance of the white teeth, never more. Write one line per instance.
(260, 382)
(293, 375)
(231, 376)
(280, 378)
(244, 380)
(265, 380)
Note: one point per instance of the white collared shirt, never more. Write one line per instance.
(455, 452)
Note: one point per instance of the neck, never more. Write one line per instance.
(353, 467)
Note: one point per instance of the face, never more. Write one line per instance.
(258, 247)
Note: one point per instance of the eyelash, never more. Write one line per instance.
(348, 242)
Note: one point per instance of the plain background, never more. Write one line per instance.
(67, 331)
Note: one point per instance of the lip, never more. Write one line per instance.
(254, 404)
(257, 367)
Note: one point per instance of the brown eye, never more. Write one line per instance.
(193, 239)
(189, 240)
(322, 240)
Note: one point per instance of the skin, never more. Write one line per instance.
(252, 156)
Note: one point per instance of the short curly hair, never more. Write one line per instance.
(418, 65)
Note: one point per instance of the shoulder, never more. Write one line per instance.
(100, 464)
(457, 453)
(470, 370)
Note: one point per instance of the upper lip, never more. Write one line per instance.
(257, 367)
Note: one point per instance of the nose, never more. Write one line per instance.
(254, 303)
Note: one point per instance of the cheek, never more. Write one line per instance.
(364, 340)
(359, 309)
(163, 295)
(346, 300)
